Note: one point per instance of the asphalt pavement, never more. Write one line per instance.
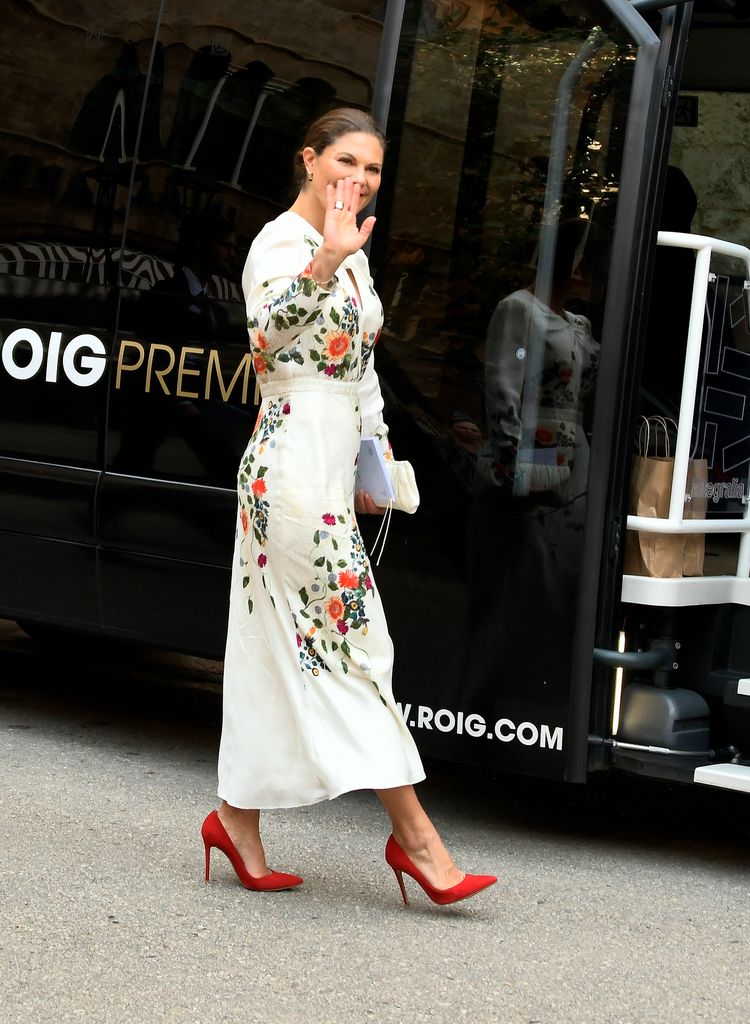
(622, 902)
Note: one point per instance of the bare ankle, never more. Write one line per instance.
(417, 838)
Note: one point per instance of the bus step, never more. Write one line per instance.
(725, 776)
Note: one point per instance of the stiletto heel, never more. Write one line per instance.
(400, 880)
(402, 864)
(214, 834)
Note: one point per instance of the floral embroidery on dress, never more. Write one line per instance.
(252, 488)
(334, 353)
(335, 605)
(338, 348)
(284, 314)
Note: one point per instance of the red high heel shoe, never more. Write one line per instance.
(400, 862)
(214, 834)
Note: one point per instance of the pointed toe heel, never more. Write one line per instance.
(215, 835)
(402, 864)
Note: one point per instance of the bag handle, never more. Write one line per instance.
(644, 431)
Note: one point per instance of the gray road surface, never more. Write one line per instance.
(625, 901)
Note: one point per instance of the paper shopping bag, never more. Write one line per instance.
(696, 504)
(664, 556)
(652, 554)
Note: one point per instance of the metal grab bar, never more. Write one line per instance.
(656, 657)
(704, 247)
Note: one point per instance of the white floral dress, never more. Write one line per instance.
(309, 711)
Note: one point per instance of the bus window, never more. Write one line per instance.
(227, 110)
(509, 128)
(62, 200)
(228, 102)
(72, 91)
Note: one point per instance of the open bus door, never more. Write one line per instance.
(513, 288)
(683, 711)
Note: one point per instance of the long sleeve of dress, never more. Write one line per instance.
(371, 407)
(281, 304)
(285, 304)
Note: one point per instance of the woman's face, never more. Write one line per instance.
(357, 155)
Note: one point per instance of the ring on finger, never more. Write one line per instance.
(339, 204)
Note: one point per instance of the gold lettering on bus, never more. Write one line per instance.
(182, 371)
(132, 356)
(244, 365)
(122, 365)
(159, 374)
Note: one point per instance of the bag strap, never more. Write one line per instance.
(644, 428)
(385, 523)
(661, 422)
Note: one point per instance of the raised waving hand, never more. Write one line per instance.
(342, 236)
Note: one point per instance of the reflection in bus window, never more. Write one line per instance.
(507, 147)
(232, 103)
(184, 313)
(69, 127)
(526, 531)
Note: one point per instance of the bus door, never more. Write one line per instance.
(522, 168)
(679, 707)
(686, 587)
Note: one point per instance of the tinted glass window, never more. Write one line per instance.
(72, 83)
(508, 128)
(233, 89)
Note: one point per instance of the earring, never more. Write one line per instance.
(309, 177)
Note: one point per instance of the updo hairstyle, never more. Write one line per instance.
(330, 127)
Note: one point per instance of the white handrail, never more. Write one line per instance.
(705, 248)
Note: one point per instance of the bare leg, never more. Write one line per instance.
(243, 827)
(418, 837)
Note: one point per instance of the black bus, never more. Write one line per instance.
(538, 152)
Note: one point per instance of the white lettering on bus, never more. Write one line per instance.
(445, 720)
(475, 725)
(552, 740)
(424, 717)
(500, 724)
(83, 358)
(528, 734)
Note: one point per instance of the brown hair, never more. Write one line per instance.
(330, 127)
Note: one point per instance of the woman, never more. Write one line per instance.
(308, 708)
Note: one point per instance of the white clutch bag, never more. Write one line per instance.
(404, 484)
(389, 483)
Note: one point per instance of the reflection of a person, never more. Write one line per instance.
(184, 309)
(181, 312)
(541, 467)
(526, 529)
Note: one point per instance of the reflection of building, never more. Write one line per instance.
(76, 265)
(222, 108)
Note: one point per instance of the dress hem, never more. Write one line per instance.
(320, 799)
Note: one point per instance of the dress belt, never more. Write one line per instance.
(293, 385)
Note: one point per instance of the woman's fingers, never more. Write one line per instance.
(363, 503)
(340, 231)
(354, 198)
(366, 228)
